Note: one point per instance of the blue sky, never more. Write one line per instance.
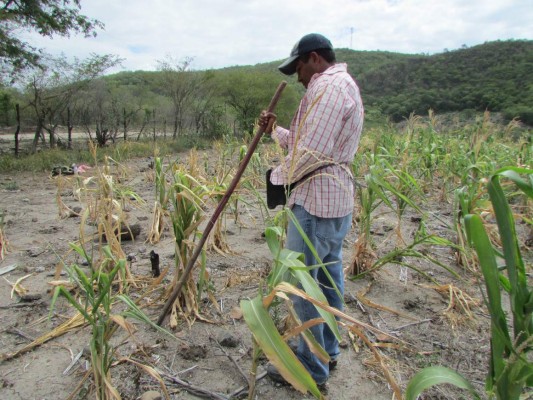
(218, 34)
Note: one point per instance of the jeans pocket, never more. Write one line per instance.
(332, 229)
(325, 229)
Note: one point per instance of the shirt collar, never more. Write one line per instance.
(334, 69)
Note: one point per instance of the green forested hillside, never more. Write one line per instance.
(495, 76)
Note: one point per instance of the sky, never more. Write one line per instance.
(223, 33)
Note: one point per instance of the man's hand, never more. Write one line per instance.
(267, 120)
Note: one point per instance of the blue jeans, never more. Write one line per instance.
(327, 236)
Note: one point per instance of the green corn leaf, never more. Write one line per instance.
(83, 281)
(313, 251)
(505, 220)
(292, 259)
(295, 263)
(511, 383)
(279, 270)
(107, 252)
(272, 235)
(60, 290)
(136, 313)
(506, 285)
(104, 286)
(315, 347)
(312, 289)
(528, 306)
(500, 339)
(516, 273)
(81, 251)
(275, 348)
(513, 173)
(436, 375)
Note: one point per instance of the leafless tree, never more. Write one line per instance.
(180, 84)
(52, 88)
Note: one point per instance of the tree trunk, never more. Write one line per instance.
(52, 136)
(69, 129)
(153, 121)
(17, 110)
(174, 134)
(38, 135)
(125, 124)
(142, 129)
(101, 135)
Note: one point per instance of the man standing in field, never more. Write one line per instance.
(322, 141)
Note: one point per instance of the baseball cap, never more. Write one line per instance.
(310, 42)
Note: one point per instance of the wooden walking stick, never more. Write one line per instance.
(251, 148)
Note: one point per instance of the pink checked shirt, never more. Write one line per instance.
(326, 129)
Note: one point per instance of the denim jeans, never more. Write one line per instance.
(327, 236)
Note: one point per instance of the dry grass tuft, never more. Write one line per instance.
(363, 258)
(460, 304)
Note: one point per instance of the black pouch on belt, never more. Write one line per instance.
(276, 194)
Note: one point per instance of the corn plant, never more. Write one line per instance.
(106, 199)
(254, 171)
(96, 310)
(160, 209)
(525, 155)
(95, 306)
(364, 256)
(219, 241)
(251, 179)
(470, 198)
(510, 367)
(481, 133)
(219, 185)
(288, 274)
(428, 152)
(287, 265)
(398, 189)
(108, 211)
(463, 206)
(186, 215)
(217, 189)
(414, 250)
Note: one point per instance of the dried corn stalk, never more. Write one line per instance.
(67, 326)
(4, 243)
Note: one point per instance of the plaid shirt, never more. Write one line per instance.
(326, 129)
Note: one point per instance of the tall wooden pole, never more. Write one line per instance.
(251, 148)
(17, 109)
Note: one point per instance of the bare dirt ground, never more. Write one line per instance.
(38, 243)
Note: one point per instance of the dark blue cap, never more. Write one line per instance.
(310, 42)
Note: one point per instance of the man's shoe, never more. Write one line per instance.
(293, 344)
(273, 373)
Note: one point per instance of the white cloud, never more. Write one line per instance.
(241, 32)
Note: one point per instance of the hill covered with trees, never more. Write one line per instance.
(495, 76)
